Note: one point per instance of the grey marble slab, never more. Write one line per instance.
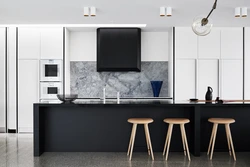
(87, 82)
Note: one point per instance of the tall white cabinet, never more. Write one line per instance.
(34, 44)
(215, 60)
(3, 79)
(247, 64)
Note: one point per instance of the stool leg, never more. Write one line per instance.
(166, 142)
(149, 140)
(228, 141)
(130, 141)
(231, 140)
(211, 139)
(145, 130)
(133, 141)
(169, 139)
(185, 138)
(214, 137)
(183, 141)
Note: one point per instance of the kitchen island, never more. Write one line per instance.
(96, 127)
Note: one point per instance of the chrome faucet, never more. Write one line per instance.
(104, 94)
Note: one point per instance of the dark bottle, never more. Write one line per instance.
(209, 94)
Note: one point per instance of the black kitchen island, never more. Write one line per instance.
(98, 127)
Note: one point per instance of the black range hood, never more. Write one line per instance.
(119, 49)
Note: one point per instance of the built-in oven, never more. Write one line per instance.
(50, 70)
(49, 90)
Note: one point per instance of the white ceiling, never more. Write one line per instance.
(120, 12)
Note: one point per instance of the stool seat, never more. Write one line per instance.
(176, 120)
(221, 120)
(140, 120)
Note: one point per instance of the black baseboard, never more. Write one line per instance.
(11, 130)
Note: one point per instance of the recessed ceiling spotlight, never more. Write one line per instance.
(169, 11)
(244, 12)
(162, 11)
(237, 12)
(92, 11)
(86, 11)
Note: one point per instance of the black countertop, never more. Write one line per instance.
(156, 102)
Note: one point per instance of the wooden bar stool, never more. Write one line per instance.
(181, 122)
(226, 122)
(145, 122)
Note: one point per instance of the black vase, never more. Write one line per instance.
(209, 94)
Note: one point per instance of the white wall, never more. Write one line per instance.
(154, 46)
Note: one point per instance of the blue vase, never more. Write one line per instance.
(156, 86)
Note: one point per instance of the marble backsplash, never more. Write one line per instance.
(87, 82)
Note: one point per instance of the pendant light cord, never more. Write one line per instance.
(205, 20)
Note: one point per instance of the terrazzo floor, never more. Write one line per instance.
(16, 150)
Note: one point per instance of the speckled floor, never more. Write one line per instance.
(17, 151)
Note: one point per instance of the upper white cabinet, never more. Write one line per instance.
(29, 43)
(185, 80)
(51, 43)
(231, 75)
(186, 43)
(232, 43)
(209, 46)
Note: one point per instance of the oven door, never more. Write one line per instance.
(50, 70)
(49, 90)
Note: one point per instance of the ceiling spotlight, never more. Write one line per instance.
(92, 11)
(86, 11)
(162, 11)
(244, 12)
(169, 11)
(237, 12)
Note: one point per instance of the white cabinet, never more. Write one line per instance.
(2, 80)
(28, 93)
(186, 43)
(247, 64)
(209, 46)
(51, 43)
(29, 43)
(232, 43)
(185, 80)
(219, 57)
(207, 75)
(231, 76)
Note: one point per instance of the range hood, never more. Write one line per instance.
(119, 49)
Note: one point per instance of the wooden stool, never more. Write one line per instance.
(181, 122)
(226, 122)
(145, 122)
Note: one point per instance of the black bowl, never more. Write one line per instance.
(67, 98)
(193, 100)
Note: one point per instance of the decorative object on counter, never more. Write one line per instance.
(67, 98)
(194, 100)
(156, 86)
(218, 101)
(209, 94)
